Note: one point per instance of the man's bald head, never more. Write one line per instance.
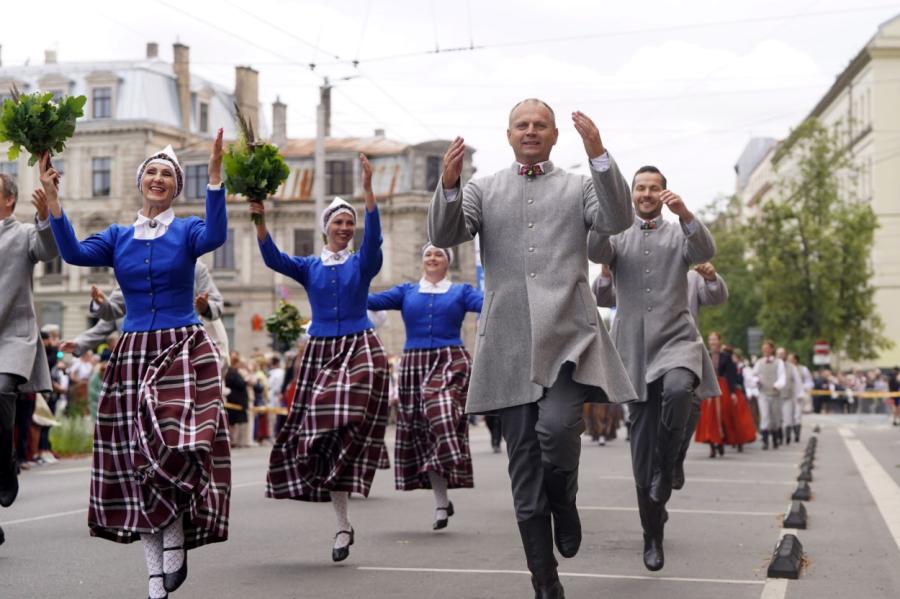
(533, 101)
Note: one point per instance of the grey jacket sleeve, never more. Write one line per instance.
(607, 207)
(709, 295)
(41, 244)
(451, 223)
(699, 245)
(94, 336)
(605, 294)
(203, 283)
(113, 308)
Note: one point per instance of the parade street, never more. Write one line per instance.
(722, 529)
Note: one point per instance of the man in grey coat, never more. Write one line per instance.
(656, 337)
(23, 361)
(541, 349)
(208, 302)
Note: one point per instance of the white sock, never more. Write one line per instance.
(173, 536)
(339, 501)
(441, 501)
(153, 554)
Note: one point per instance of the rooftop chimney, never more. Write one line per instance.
(182, 68)
(49, 56)
(279, 122)
(379, 132)
(152, 50)
(246, 94)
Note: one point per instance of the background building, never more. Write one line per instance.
(863, 105)
(138, 107)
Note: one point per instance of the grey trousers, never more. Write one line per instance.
(658, 424)
(544, 432)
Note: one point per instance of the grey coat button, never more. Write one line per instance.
(530, 225)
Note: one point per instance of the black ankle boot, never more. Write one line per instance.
(787, 435)
(765, 439)
(796, 433)
(561, 488)
(712, 450)
(653, 519)
(9, 480)
(537, 540)
(776, 438)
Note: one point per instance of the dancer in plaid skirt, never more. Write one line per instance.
(161, 467)
(432, 448)
(333, 439)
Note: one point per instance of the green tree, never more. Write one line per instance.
(811, 249)
(734, 317)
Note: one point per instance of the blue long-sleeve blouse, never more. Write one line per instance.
(432, 320)
(156, 275)
(337, 292)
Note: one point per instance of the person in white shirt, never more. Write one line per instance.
(770, 374)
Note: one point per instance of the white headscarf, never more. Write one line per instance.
(447, 251)
(165, 157)
(337, 206)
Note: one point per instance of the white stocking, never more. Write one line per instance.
(339, 503)
(441, 501)
(153, 553)
(173, 536)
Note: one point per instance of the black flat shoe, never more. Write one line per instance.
(173, 580)
(442, 522)
(166, 596)
(342, 553)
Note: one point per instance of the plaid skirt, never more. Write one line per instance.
(161, 447)
(432, 428)
(333, 438)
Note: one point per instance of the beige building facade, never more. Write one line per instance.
(863, 106)
(137, 107)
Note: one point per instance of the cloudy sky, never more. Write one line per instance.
(680, 85)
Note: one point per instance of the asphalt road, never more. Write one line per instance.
(721, 533)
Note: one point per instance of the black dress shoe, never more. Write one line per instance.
(554, 590)
(173, 580)
(654, 559)
(678, 476)
(342, 553)
(442, 522)
(166, 596)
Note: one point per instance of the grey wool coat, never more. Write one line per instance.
(538, 310)
(21, 351)
(653, 330)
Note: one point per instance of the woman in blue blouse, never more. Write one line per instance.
(161, 467)
(333, 439)
(432, 449)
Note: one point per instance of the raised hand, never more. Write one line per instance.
(39, 201)
(97, 296)
(68, 346)
(453, 163)
(215, 160)
(366, 173)
(201, 303)
(590, 134)
(674, 203)
(49, 177)
(707, 271)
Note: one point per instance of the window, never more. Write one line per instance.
(433, 172)
(54, 267)
(196, 176)
(57, 94)
(9, 168)
(99, 270)
(101, 170)
(223, 257)
(304, 242)
(339, 177)
(102, 103)
(204, 117)
(228, 323)
(51, 313)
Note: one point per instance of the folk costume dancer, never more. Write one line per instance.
(161, 467)
(541, 350)
(333, 439)
(734, 418)
(432, 445)
(792, 396)
(656, 337)
(803, 389)
(23, 361)
(771, 378)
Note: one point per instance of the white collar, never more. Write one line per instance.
(332, 258)
(165, 217)
(442, 286)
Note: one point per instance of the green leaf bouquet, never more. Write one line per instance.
(38, 123)
(286, 324)
(253, 168)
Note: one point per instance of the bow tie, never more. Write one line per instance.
(532, 171)
(648, 224)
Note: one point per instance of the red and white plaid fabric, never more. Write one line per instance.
(161, 446)
(333, 439)
(432, 428)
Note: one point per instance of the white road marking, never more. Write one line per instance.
(568, 574)
(44, 517)
(882, 487)
(775, 588)
(694, 479)
(739, 463)
(600, 508)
